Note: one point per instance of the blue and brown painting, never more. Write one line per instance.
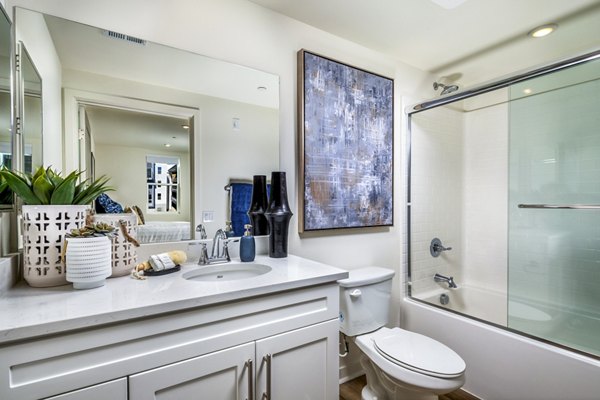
(348, 146)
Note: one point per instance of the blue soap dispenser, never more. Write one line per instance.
(247, 245)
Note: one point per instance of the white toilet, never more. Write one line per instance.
(399, 364)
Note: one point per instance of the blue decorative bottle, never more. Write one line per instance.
(247, 245)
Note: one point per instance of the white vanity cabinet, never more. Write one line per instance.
(283, 343)
(289, 366)
(223, 375)
(113, 390)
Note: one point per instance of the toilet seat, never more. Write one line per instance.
(419, 353)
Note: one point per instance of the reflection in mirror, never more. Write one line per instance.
(147, 157)
(6, 198)
(31, 112)
(232, 110)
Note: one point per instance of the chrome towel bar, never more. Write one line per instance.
(562, 206)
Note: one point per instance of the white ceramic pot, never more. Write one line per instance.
(124, 253)
(44, 229)
(88, 261)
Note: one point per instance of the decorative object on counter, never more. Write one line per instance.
(278, 214)
(53, 205)
(258, 206)
(345, 146)
(105, 205)
(159, 264)
(88, 255)
(124, 253)
(141, 220)
(247, 245)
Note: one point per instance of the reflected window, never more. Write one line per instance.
(163, 185)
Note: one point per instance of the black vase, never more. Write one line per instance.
(258, 206)
(278, 214)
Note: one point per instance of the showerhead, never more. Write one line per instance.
(445, 88)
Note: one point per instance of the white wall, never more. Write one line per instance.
(32, 31)
(244, 33)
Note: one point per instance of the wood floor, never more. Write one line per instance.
(351, 391)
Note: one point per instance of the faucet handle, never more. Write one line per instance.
(200, 229)
(203, 260)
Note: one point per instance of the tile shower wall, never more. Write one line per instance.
(436, 195)
(485, 179)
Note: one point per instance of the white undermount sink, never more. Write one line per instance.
(226, 272)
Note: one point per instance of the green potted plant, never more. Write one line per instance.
(52, 206)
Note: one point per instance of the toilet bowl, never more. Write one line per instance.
(399, 364)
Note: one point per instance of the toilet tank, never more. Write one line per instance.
(365, 298)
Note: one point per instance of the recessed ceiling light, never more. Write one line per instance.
(527, 91)
(543, 30)
(185, 126)
(261, 88)
(167, 144)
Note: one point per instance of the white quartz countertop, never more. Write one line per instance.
(27, 312)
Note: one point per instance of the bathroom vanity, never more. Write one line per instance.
(271, 336)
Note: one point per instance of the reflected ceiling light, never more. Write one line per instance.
(185, 126)
(167, 144)
(527, 91)
(543, 30)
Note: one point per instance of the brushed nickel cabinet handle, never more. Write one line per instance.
(250, 366)
(267, 394)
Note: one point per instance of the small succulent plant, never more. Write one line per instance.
(94, 230)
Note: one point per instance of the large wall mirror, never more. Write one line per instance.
(6, 198)
(170, 128)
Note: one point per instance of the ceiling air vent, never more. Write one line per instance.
(122, 36)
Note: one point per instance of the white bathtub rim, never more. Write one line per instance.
(523, 338)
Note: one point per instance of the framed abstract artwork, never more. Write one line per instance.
(345, 140)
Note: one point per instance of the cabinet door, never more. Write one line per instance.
(303, 364)
(113, 390)
(222, 375)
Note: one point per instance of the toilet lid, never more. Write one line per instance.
(420, 354)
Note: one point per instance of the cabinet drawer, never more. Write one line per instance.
(49, 366)
(113, 390)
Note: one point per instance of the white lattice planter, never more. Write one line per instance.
(44, 229)
(124, 253)
(88, 261)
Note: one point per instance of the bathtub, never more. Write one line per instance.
(479, 303)
(501, 364)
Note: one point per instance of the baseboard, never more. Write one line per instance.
(350, 371)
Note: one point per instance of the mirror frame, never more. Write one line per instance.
(12, 107)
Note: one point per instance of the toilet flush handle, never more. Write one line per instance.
(356, 293)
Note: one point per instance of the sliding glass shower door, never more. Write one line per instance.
(554, 207)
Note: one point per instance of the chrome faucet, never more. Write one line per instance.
(220, 251)
(448, 280)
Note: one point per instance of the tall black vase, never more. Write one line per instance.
(258, 206)
(278, 214)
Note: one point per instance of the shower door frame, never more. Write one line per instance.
(467, 93)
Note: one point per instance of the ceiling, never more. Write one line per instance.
(477, 41)
(137, 129)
